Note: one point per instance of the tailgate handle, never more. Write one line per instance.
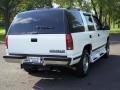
(33, 39)
(98, 35)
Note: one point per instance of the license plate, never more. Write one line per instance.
(35, 59)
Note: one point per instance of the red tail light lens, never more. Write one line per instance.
(69, 42)
(6, 41)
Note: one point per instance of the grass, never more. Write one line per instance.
(115, 31)
(2, 33)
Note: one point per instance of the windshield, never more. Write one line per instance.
(38, 22)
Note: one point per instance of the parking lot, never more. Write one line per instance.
(103, 75)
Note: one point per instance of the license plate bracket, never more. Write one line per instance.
(37, 60)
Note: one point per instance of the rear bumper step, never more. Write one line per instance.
(47, 60)
(14, 59)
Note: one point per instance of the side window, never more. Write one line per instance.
(75, 22)
(97, 23)
(89, 22)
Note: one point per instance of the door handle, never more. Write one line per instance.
(33, 39)
(90, 36)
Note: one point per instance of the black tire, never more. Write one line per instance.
(82, 68)
(107, 50)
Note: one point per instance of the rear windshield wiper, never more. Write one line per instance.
(32, 33)
(44, 27)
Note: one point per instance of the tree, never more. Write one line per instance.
(7, 7)
(39, 3)
(65, 3)
(104, 9)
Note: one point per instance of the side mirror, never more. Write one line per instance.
(106, 27)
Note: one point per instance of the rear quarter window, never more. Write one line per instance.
(75, 22)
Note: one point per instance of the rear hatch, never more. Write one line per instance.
(38, 32)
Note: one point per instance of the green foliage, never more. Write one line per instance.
(80, 4)
(7, 8)
(2, 35)
(115, 31)
(30, 4)
(10, 5)
(106, 10)
(2, 31)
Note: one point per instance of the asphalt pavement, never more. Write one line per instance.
(104, 75)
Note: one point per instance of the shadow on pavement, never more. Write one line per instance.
(104, 75)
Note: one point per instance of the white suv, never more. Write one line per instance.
(56, 37)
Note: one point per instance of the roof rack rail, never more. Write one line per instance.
(74, 9)
(47, 7)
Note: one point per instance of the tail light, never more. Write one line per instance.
(69, 42)
(6, 41)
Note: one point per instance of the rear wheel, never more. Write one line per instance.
(82, 67)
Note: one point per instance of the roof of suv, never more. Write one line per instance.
(52, 9)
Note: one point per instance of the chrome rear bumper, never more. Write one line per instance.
(14, 59)
(47, 60)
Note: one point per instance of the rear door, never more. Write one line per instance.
(101, 34)
(91, 30)
(38, 33)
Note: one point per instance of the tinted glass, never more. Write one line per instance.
(75, 21)
(97, 23)
(38, 22)
(89, 22)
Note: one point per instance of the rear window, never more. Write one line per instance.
(38, 22)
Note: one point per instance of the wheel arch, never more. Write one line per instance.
(88, 47)
(108, 38)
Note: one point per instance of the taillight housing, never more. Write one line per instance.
(69, 42)
(6, 41)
